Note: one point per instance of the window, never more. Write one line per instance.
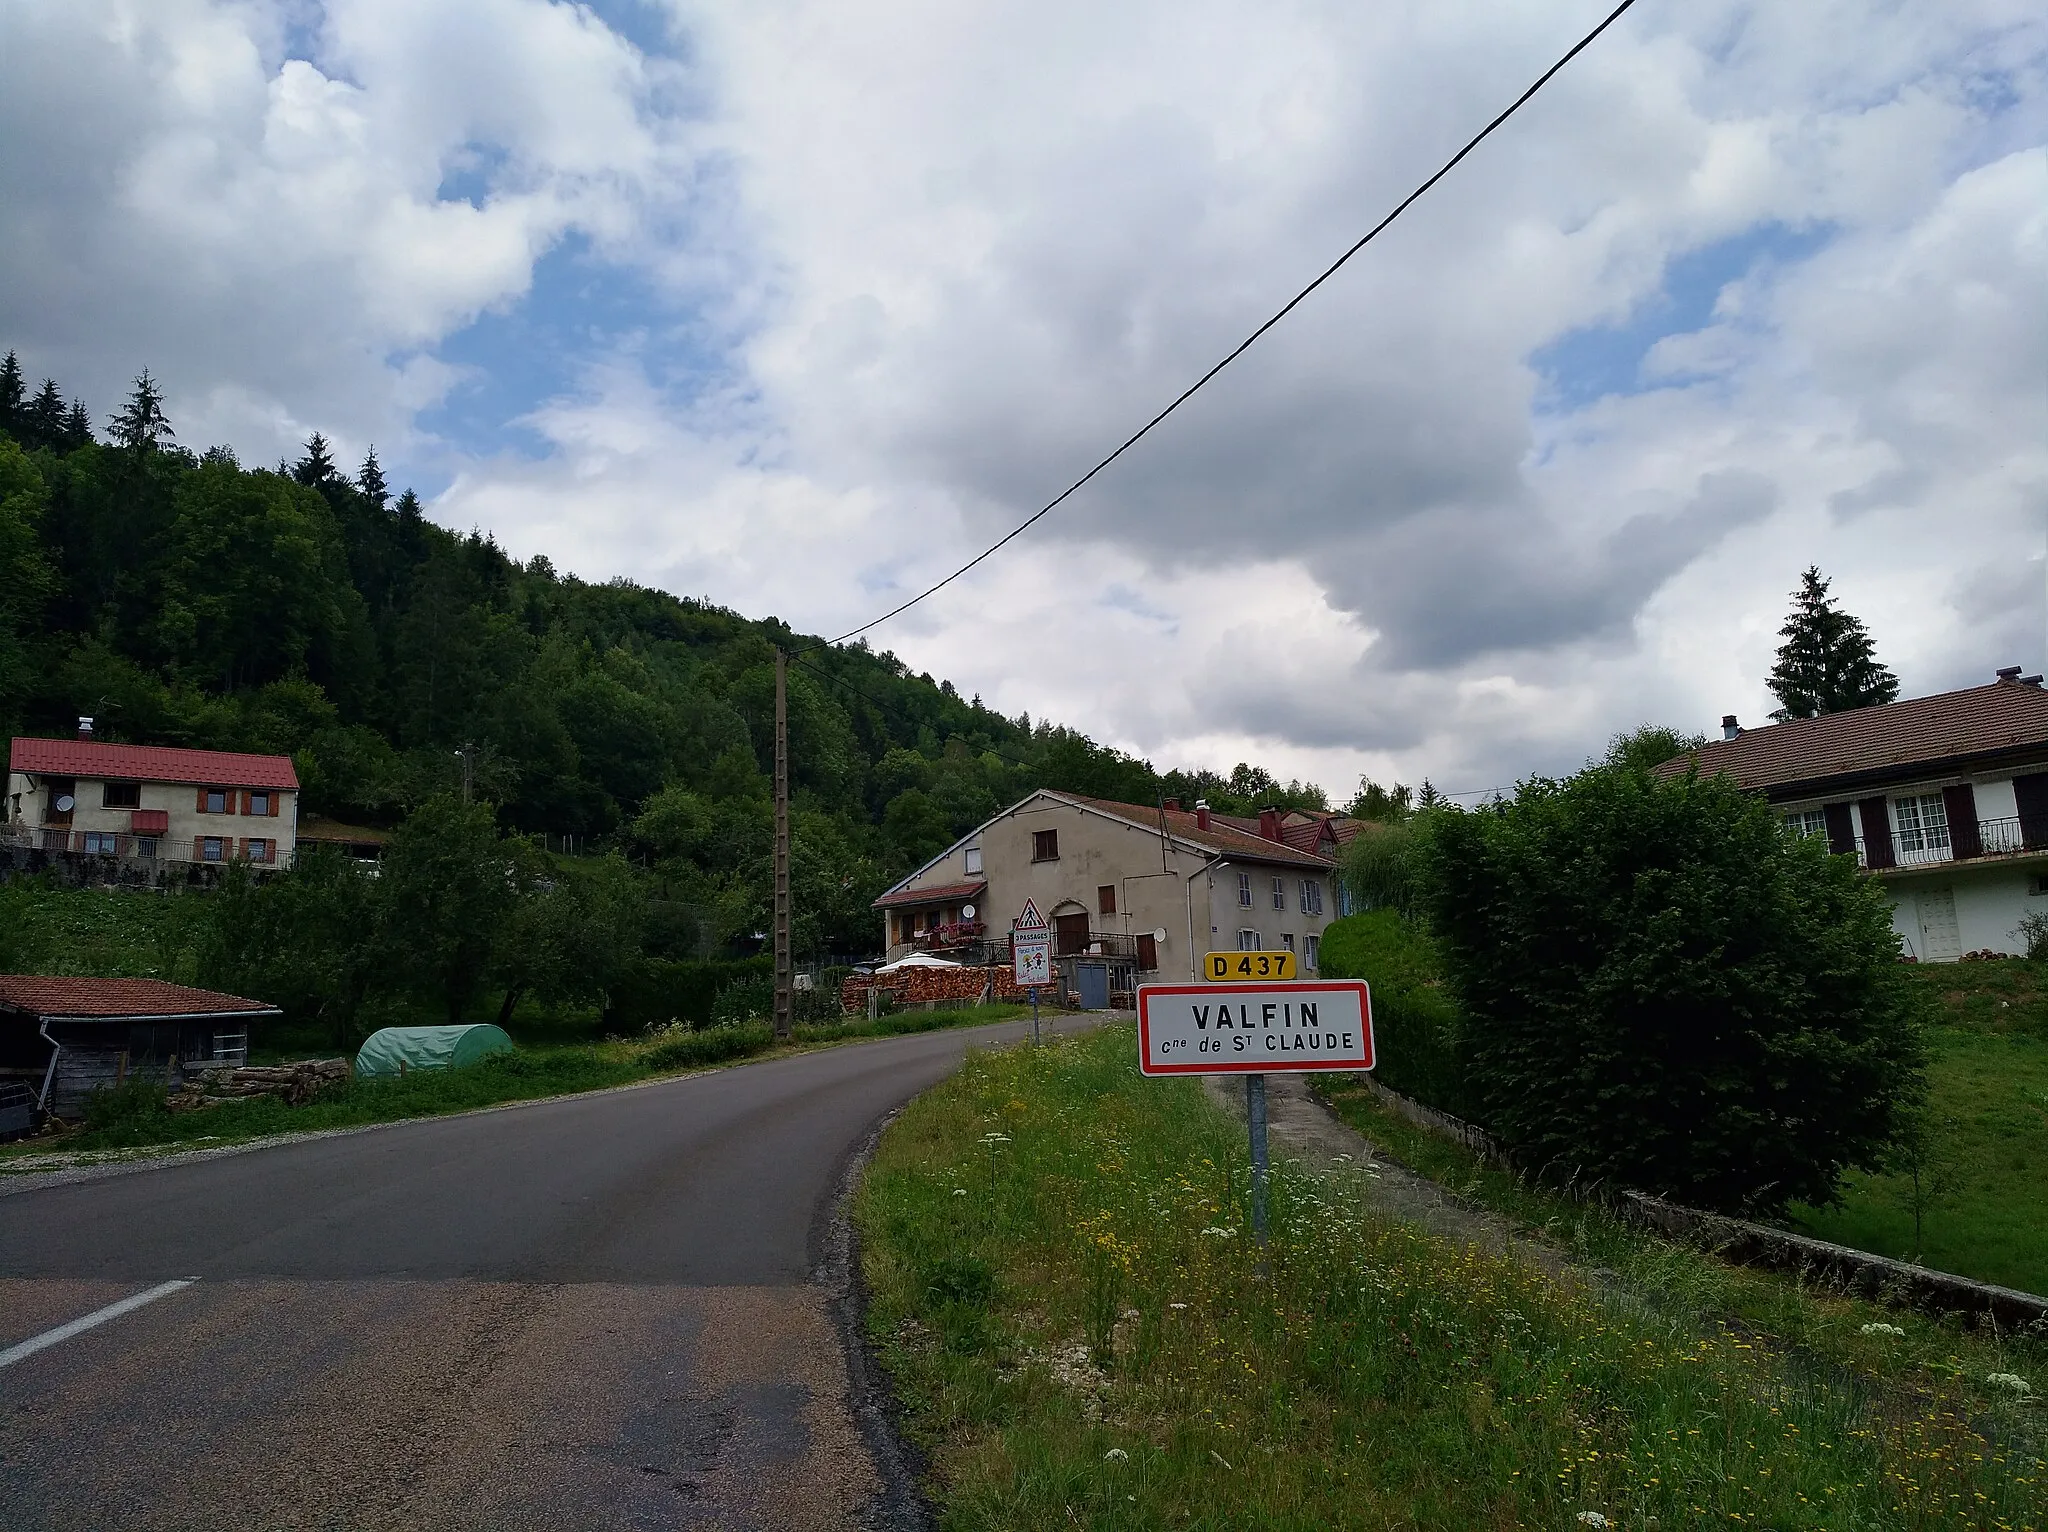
(1921, 823)
(1105, 899)
(256, 850)
(1279, 893)
(98, 843)
(1248, 941)
(1311, 952)
(1286, 941)
(1804, 822)
(1244, 890)
(145, 845)
(973, 858)
(121, 795)
(259, 803)
(1346, 904)
(1311, 896)
(1045, 845)
(213, 800)
(213, 848)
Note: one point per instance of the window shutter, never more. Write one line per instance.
(1964, 838)
(1841, 829)
(1877, 832)
(202, 800)
(274, 796)
(2032, 793)
(1148, 952)
(198, 848)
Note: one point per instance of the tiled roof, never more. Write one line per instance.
(938, 895)
(1890, 739)
(95, 998)
(150, 763)
(1223, 835)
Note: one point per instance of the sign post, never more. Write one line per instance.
(1254, 1029)
(1031, 956)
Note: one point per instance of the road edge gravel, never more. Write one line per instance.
(902, 1505)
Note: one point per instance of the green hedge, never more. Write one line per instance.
(1415, 1023)
(713, 1045)
(655, 992)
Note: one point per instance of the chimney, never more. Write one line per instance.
(1729, 727)
(1269, 824)
(2010, 673)
(1201, 813)
(1173, 805)
(2030, 680)
(85, 728)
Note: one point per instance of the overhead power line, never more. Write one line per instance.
(1246, 344)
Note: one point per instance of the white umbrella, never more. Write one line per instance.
(916, 960)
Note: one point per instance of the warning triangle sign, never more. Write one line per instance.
(1030, 918)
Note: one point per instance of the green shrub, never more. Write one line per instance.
(1415, 1021)
(132, 1112)
(1661, 987)
(711, 1045)
(654, 992)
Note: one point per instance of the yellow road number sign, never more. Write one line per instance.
(1235, 967)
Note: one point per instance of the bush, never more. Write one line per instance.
(654, 992)
(1415, 1022)
(1662, 987)
(132, 1112)
(711, 1045)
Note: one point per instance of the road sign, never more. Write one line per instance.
(1030, 920)
(1032, 956)
(1243, 967)
(1220, 1029)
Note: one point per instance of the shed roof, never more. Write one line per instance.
(1888, 740)
(939, 895)
(115, 999)
(150, 763)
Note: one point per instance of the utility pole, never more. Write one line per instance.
(782, 978)
(466, 752)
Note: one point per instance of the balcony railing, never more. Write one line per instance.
(1937, 844)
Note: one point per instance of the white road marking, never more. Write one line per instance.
(31, 1346)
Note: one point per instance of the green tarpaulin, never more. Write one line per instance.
(397, 1050)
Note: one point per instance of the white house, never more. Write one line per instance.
(1943, 799)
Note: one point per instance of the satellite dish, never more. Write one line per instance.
(66, 803)
(1159, 935)
(967, 912)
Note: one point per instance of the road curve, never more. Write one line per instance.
(607, 1312)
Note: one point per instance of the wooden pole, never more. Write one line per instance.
(782, 962)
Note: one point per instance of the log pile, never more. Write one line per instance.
(294, 1084)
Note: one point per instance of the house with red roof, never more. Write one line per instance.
(149, 805)
(1942, 799)
(1132, 893)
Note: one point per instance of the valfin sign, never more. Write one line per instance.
(1220, 1029)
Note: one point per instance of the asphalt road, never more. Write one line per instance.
(613, 1311)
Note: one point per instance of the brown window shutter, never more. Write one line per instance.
(1841, 829)
(248, 807)
(1964, 838)
(2032, 792)
(274, 796)
(198, 848)
(1148, 952)
(202, 800)
(1877, 832)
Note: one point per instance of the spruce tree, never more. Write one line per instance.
(13, 395)
(42, 421)
(77, 427)
(317, 466)
(370, 480)
(1827, 663)
(142, 424)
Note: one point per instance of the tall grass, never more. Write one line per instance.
(1063, 1289)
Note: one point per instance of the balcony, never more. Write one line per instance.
(1935, 845)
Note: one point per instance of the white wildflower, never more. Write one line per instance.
(1116, 1455)
(1882, 1330)
(2011, 1380)
(1216, 1232)
(1592, 1519)
(1176, 1305)
(959, 1191)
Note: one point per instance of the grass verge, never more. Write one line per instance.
(1063, 1292)
(134, 1116)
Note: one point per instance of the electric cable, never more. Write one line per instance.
(1244, 345)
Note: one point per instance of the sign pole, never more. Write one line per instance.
(1034, 1015)
(1255, 1114)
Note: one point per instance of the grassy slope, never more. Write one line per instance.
(1063, 1292)
(1989, 1076)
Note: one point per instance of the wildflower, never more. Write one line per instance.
(1216, 1232)
(1591, 1519)
(1176, 1305)
(1116, 1455)
(959, 1191)
(1882, 1330)
(2011, 1380)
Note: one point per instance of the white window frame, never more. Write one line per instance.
(1806, 822)
(1920, 822)
(971, 858)
(1250, 941)
(1286, 941)
(1280, 895)
(1311, 896)
(1312, 952)
(1244, 890)
(225, 845)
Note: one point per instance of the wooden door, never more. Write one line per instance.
(1070, 934)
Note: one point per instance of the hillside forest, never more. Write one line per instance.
(181, 597)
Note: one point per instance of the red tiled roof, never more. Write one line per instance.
(150, 763)
(1223, 834)
(2004, 717)
(941, 895)
(96, 998)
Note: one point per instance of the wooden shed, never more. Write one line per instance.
(67, 1037)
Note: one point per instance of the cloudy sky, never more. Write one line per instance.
(794, 304)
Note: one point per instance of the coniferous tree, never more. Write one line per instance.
(370, 480)
(77, 427)
(43, 418)
(1827, 663)
(13, 395)
(142, 425)
(317, 466)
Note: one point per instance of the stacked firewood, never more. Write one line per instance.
(294, 1084)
